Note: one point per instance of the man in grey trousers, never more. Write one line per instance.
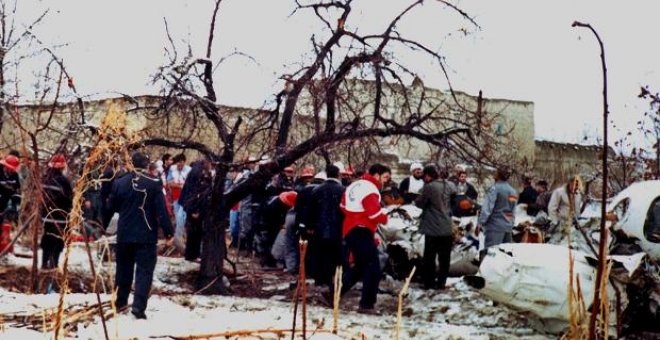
(496, 218)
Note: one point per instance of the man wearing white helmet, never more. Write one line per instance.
(411, 186)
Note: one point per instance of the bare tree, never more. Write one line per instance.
(15, 38)
(352, 90)
(650, 127)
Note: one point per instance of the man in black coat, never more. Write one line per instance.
(9, 182)
(305, 221)
(58, 200)
(327, 227)
(140, 202)
(195, 196)
(529, 194)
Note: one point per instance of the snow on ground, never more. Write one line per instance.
(189, 314)
(458, 312)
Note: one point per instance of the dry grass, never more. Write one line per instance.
(399, 311)
(578, 324)
(336, 299)
(603, 319)
(112, 141)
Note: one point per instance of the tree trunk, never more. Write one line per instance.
(214, 247)
(214, 250)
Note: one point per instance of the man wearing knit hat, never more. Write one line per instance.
(411, 186)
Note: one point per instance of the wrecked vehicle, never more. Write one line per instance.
(535, 277)
(637, 209)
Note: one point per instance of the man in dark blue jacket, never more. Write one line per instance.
(327, 229)
(140, 202)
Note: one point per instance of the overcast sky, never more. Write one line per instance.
(524, 50)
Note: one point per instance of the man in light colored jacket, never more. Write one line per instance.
(565, 203)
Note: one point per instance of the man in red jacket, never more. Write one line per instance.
(361, 205)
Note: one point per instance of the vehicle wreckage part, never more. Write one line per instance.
(535, 277)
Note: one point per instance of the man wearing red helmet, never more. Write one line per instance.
(9, 182)
(58, 200)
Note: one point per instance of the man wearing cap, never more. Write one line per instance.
(411, 186)
(58, 200)
(306, 177)
(362, 210)
(140, 202)
(9, 182)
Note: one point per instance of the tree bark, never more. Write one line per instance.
(214, 247)
(214, 250)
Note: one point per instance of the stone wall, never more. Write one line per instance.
(556, 162)
(552, 161)
(357, 98)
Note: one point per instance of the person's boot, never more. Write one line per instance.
(268, 262)
(138, 315)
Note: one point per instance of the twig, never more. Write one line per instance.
(336, 298)
(403, 291)
(94, 285)
(300, 290)
(303, 282)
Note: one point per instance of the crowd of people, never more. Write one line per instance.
(336, 210)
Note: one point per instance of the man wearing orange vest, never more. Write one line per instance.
(362, 208)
